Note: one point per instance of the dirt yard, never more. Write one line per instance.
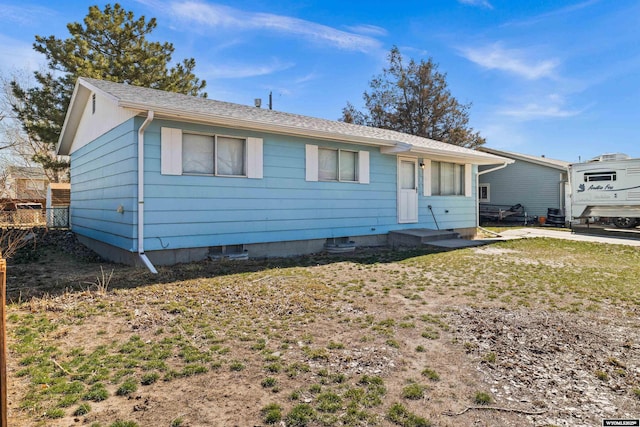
(521, 333)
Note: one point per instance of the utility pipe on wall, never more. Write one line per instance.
(141, 254)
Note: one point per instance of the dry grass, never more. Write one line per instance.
(314, 340)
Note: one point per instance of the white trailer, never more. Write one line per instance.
(607, 187)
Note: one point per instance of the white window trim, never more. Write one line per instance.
(312, 166)
(468, 179)
(171, 154)
(488, 199)
(426, 177)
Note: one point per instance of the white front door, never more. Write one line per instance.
(407, 190)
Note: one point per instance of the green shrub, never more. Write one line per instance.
(272, 413)
(149, 378)
(269, 382)
(413, 391)
(482, 398)
(401, 416)
(431, 374)
(120, 423)
(300, 416)
(83, 409)
(329, 402)
(129, 386)
(54, 413)
(97, 393)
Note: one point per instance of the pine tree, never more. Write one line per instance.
(111, 45)
(414, 99)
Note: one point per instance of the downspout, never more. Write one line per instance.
(141, 254)
(478, 173)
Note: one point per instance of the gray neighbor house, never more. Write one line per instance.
(535, 185)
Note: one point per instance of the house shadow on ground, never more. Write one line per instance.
(55, 263)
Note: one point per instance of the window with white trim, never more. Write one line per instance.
(185, 153)
(337, 165)
(333, 164)
(447, 179)
(484, 193)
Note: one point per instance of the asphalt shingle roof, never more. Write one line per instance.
(135, 97)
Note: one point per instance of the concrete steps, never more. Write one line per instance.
(418, 237)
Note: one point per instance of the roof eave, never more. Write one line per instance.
(164, 112)
(525, 159)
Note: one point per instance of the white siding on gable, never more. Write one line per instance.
(107, 116)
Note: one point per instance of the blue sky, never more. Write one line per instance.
(554, 78)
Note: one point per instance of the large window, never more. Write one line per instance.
(447, 179)
(209, 155)
(184, 153)
(332, 164)
(337, 165)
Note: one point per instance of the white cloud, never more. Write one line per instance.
(224, 17)
(306, 78)
(515, 61)
(18, 55)
(551, 106)
(373, 30)
(557, 12)
(243, 71)
(479, 3)
(25, 15)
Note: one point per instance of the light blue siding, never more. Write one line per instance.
(201, 211)
(534, 186)
(103, 177)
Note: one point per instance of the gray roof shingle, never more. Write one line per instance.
(175, 104)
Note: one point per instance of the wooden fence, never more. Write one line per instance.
(3, 343)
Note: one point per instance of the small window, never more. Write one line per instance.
(209, 155)
(599, 176)
(337, 165)
(484, 193)
(447, 179)
(93, 104)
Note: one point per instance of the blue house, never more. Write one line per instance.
(535, 182)
(161, 178)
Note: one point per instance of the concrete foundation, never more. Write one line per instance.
(255, 250)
